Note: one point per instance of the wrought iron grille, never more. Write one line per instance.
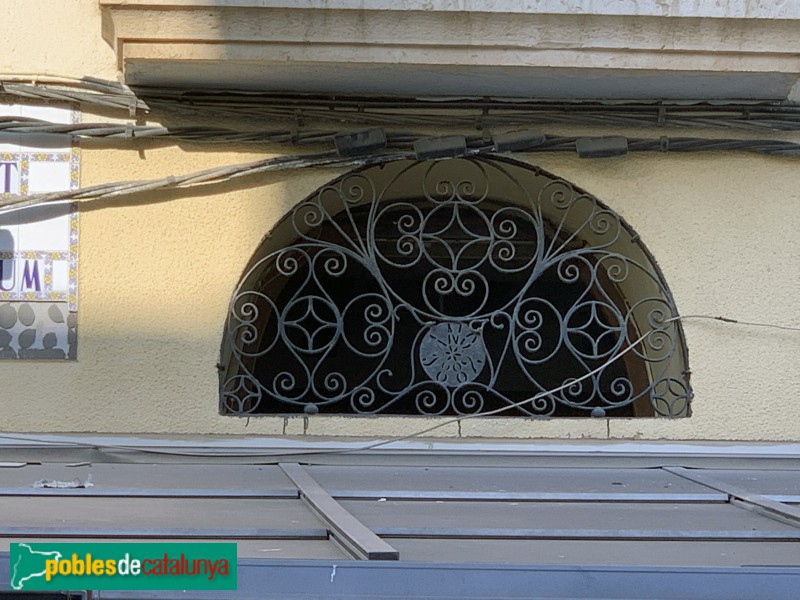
(451, 287)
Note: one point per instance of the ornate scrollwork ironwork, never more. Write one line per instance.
(453, 287)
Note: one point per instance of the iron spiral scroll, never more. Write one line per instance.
(453, 287)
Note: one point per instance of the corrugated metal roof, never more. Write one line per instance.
(505, 515)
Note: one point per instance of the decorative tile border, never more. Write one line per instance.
(73, 254)
(26, 158)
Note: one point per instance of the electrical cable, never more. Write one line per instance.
(124, 133)
(216, 175)
(254, 106)
(380, 443)
(737, 322)
(330, 159)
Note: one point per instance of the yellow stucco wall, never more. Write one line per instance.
(157, 272)
(54, 38)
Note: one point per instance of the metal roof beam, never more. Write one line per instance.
(355, 537)
(744, 498)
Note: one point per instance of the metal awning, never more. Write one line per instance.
(455, 521)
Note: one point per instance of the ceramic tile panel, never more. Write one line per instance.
(39, 245)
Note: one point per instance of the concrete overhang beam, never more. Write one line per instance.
(683, 49)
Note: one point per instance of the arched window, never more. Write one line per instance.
(452, 287)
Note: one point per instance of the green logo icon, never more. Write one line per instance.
(123, 566)
(27, 564)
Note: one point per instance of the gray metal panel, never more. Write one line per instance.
(149, 493)
(155, 514)
(435, 495)
(624, 516)
(590, 534)
(387, 580)
(159, 533)
(590, 552)
(470, 453)
(742, 497)
(507, 483)
(783, 486)
(152, 480)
